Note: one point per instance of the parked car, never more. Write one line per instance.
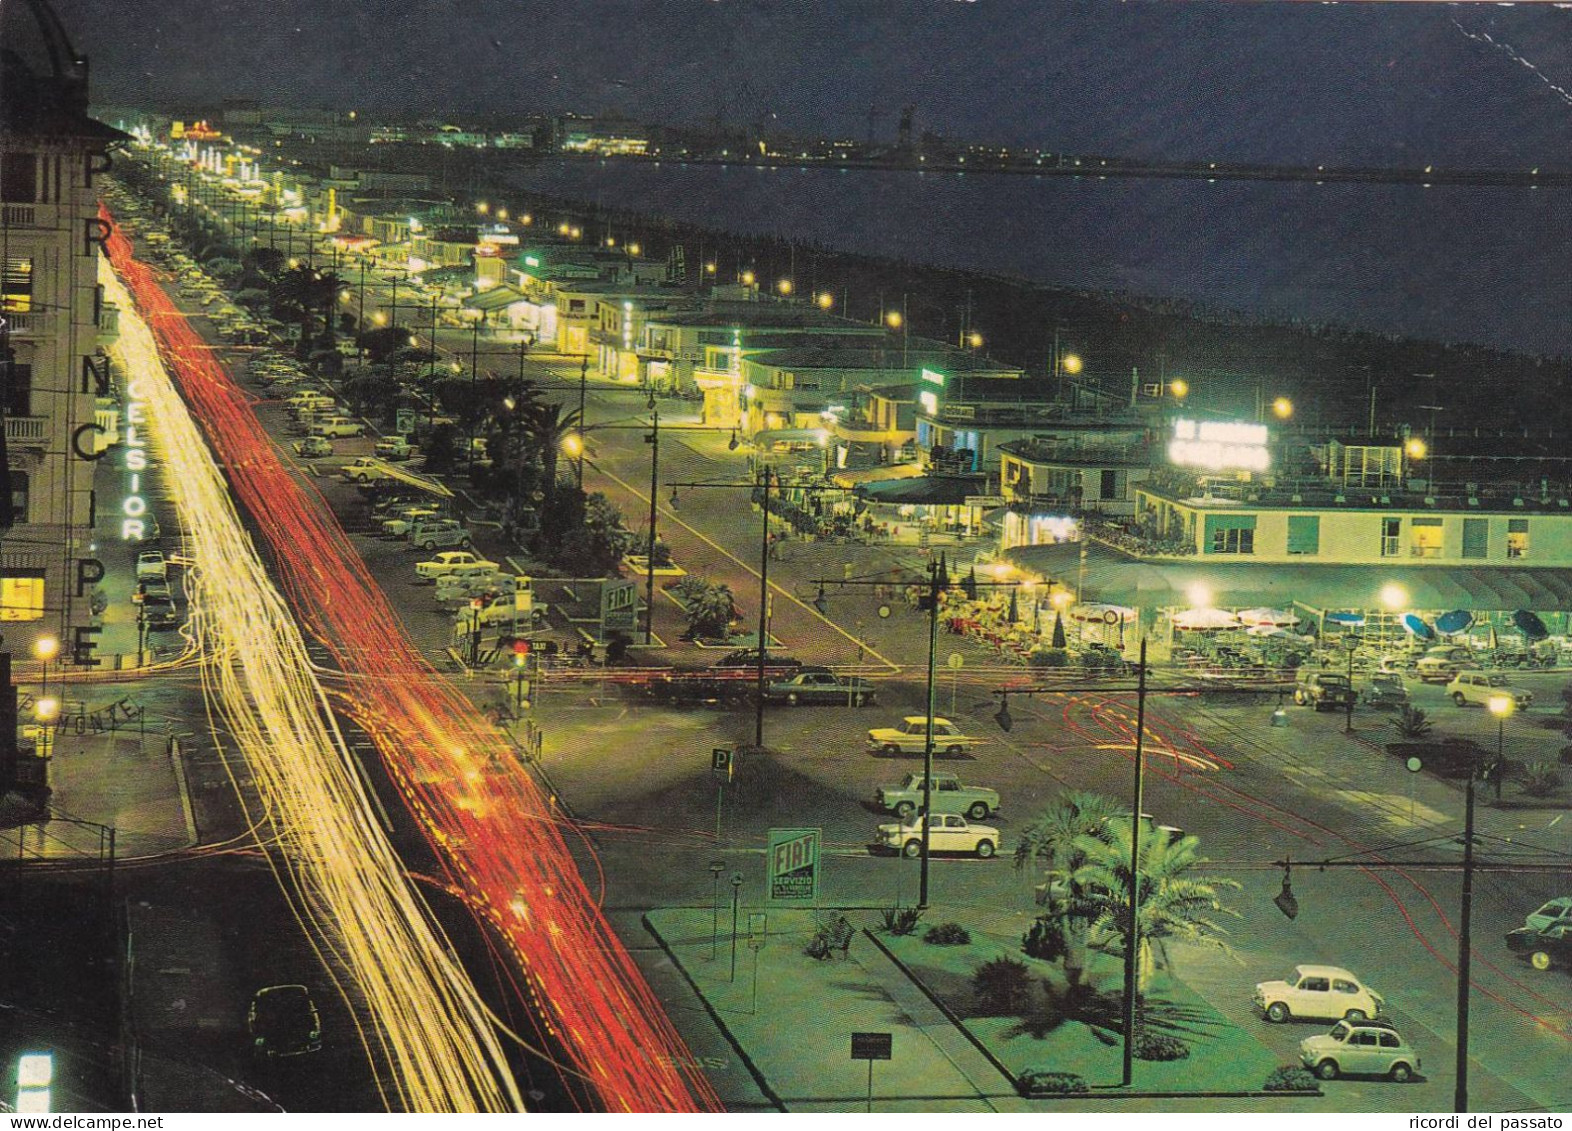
(283, 1021)
(1439, 665)
(313, 446)
(337, 426)
(1386, 689)
(749, 658)
(1479, 688)
(159, 611)
(406, 518)
(1320, 690)
(429, 536)
(820, 686)
(151, 566)
(1543, 949)
(393, 448)
(946, 794)
(450, 561)
(1327, 993)
(365, 469)
(463, 586)
(1556, 913)
(1364, 1048)
(948, 833)
(911, 737)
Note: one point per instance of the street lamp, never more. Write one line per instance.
(1501, 706)
(736, 897)
(1282, 408)
(45, 648)
(716, 868)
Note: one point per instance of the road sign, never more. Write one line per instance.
(871, 1046)
(792, 866)
(721, 761)
(404, 421)
(955, 662)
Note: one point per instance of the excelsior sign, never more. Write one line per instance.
(1219, 445)
(133, 508)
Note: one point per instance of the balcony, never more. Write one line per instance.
(19, 215)
(861, 432)
(26, 430)
(29, 323)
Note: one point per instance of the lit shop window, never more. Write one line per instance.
(22, 595)
(1517, 537)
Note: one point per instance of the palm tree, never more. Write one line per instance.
(710, 610)
(1055, 839)
(1173, 903)
(549, 426)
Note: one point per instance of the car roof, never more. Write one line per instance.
(1326, 972)
(937, 721)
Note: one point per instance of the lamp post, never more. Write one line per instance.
(938, 581)
(716, 868)
(1465, 951)
(1500, 706)
(583, 394)
(1132, 942)
(45, 648)
(1350, 645)
(653, 439)
(736, 898)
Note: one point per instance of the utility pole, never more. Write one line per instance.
(653, 440)
(764, 606)
(583, 396)
(1132, 942)
(938, 580)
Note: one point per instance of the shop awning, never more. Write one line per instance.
(768, 438)
(861, 475)
(924, 490)
(497, 298)
(1116, 578)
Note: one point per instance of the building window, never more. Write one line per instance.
(16, 283)
(18, 178)
(1517, 537)
(1304, 534)
(1230, 534)
(21, 594)
(1391, 528)
(1424, 538)
(18, 391)
(19, 497)
(1112, 485)
(1476, 538)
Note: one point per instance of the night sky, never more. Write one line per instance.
(1305, 82)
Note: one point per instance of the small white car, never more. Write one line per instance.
(151, 566)
(313, 446)
(337, 426)
(393, 448)
(1326, 993)
(911, 737)
(451, 561)
(949, 833)
(430, 536)
(1366, 1048)
(1479, 688)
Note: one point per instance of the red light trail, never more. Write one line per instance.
(498, 837)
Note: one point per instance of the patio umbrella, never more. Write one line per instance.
(1457, 620)
(1415, 626)
(1532, 628)
(1205, 619)
(1268, 617)
(1347, 619)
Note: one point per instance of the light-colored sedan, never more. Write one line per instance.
(451, 561)
(1326, 993)
(950, 833)
(911, 737)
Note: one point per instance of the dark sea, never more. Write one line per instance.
(1487, 265)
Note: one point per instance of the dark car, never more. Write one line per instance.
(1543, 949)
(809, 686)
(705, 686)
(283, 1021)
(749, 658)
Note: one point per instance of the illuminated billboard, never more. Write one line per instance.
(1217, 445)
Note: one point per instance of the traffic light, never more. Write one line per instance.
(520, 653)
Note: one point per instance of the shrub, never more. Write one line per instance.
(1411, 722)
(901, 920)
(1047, 658)
(1290, 1078)
(1002, 986)
(1157, 1046)
(1035, 1082)
(1045, 939)
(948, 934)
(1541, 779)
(1566, 755)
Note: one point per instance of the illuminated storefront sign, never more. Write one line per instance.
(1219, 445)
(133, 508)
